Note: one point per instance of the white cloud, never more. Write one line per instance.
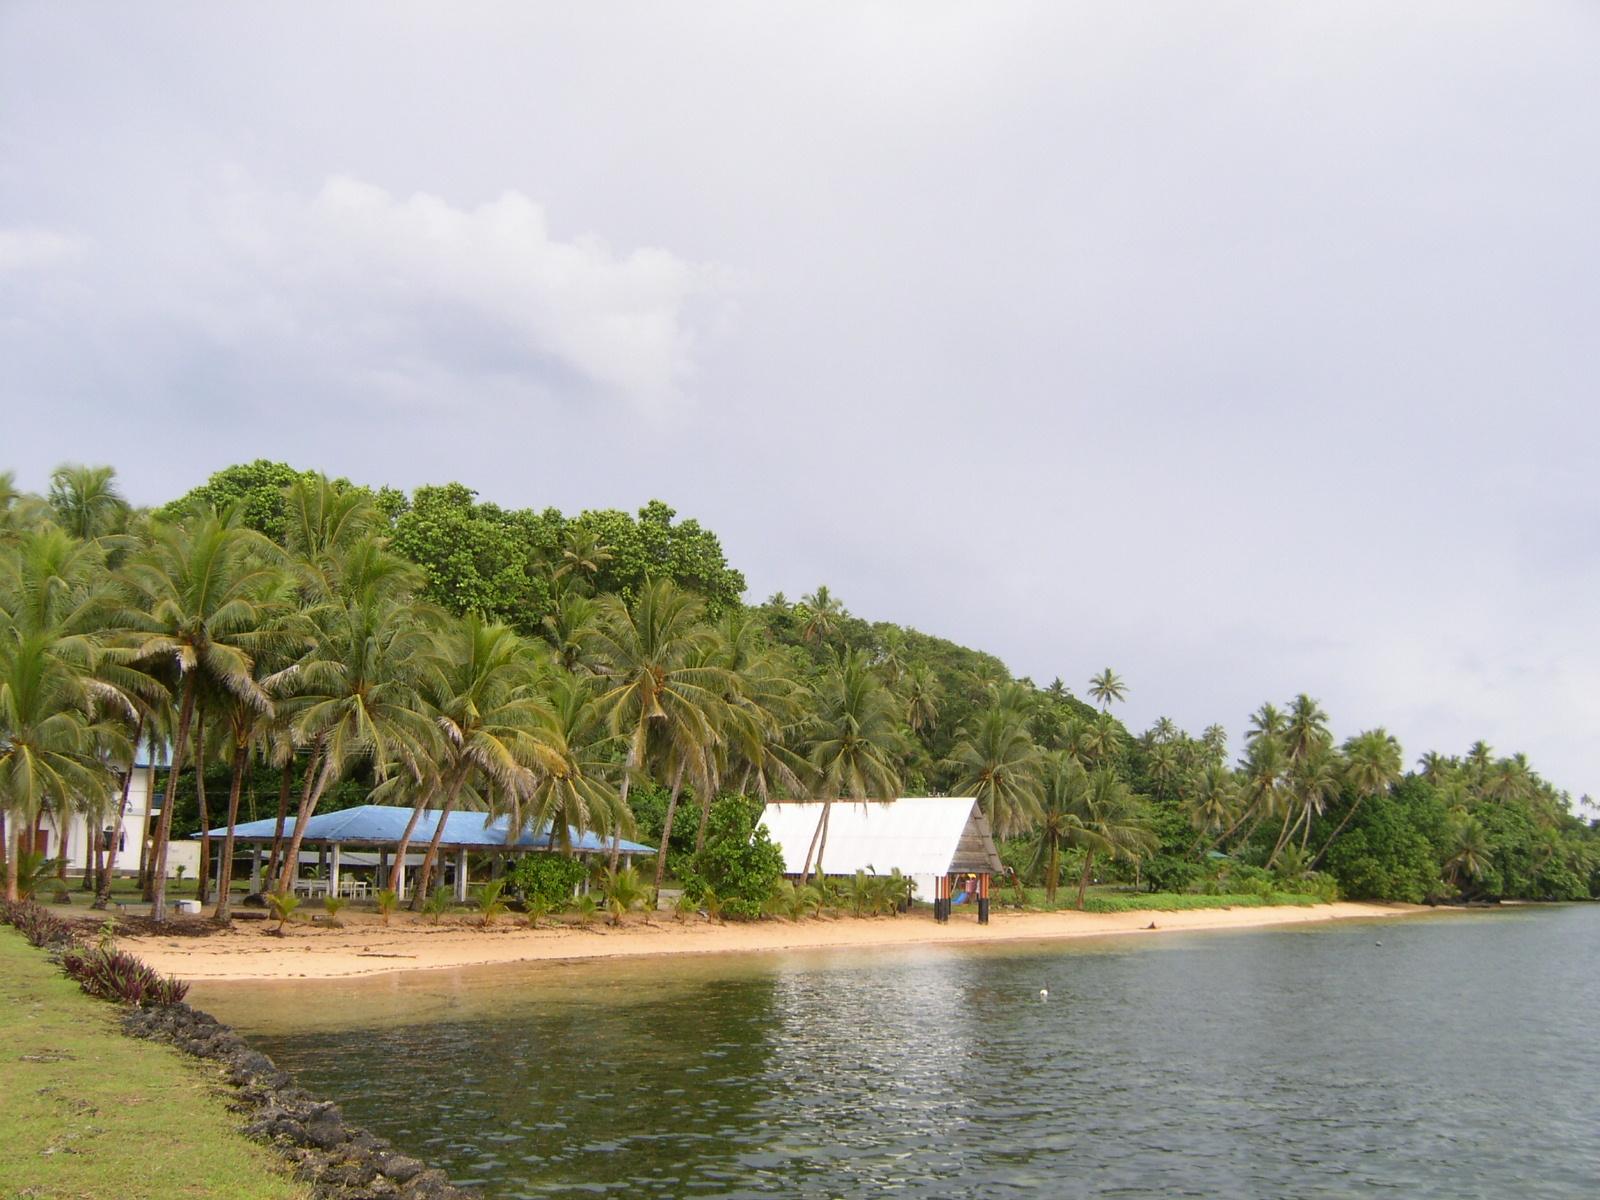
(32, 249)
(382, 280)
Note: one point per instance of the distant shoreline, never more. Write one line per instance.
(365, 947)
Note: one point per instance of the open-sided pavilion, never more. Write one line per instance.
(936, 840)
(369, 835)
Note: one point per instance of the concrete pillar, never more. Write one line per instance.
(255, 869)
(461, 874)
(333, 872)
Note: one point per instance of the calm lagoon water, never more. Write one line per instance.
(1456, 1059)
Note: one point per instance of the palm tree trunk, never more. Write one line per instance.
(1283, 834)
(419, 890)
(10, 850)
(203, 883)
(309, 800)
(284, 784)
(241, 755)
(425, 875)
(805, 871)
(1315, 862)
(822, 835)
(616, 833)
(158, 868)
(1052, 872)
(666, 834)
(109, 866)
(397, 871)
(1083, 880)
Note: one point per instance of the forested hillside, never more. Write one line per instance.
(314, 640)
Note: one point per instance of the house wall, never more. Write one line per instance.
(75, 838)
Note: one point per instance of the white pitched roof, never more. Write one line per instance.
(920, 835)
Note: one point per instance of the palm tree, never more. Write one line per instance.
(922, 692)
(481, 687)
(1470, 852)
(574, 790)
(354, 699)
(1372, 766)
(1212, 799)
(1214, 741)
(1305, 729)
(823, 612)
(1435, 768)
(582, 554)
(205, 598)
(1313, 781)
(1063, 801)
(998, 763)
(1109, 820)
(855, 744)
(663, 696)
(1108, 688)
(86, 501)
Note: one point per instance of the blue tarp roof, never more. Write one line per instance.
(378, 824)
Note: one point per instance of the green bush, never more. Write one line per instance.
(1169, 873)
(554, 877)
(739, 862)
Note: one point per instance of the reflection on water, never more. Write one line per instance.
(1454, 1059)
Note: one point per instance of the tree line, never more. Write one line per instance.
(601, 673)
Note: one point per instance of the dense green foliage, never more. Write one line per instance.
(738, 861)
(552, 877)
(316, 643)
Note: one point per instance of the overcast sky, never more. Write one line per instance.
(1245, 348)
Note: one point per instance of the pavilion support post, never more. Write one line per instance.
(983, 898)
(333, 872)
(255, 869)
(461, 875)
(383, 865)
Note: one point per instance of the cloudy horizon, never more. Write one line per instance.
(1245, 349)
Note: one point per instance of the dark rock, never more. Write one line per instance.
(399, 1167)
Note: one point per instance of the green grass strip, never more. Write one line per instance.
(90, 1113)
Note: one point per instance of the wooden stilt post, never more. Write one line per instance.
(983, 898)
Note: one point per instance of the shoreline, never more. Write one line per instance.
(365, 947)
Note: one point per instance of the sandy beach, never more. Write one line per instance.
(366, 947)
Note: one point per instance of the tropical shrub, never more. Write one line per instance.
(585, 907)
(553, 876)
(436, 905)
(739, 861)
(119, 976)
(537, 908)
(34, 923)
(687, 906)
(33, 871)
(624, 891)
(491, 902)
(388, 900)
(283, 905)
(333, 905)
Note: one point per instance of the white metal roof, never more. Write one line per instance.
(918, 835)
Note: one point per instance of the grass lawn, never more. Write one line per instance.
(92, 1115)
(1107, 901)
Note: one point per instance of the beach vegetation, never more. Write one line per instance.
(624, 890)
(282, 906)
(491, 901)
(387, 900)
(333, 906)
(437, 904)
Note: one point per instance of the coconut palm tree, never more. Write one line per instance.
(583, 554)
(205, 596)
(1107, 688)
(663, 695)
(1372, 766)
(855, 744)
(354, 699)
(575, 788)
(86, 501)
(1064, 796)
(1212, 800)
(1305, 728)
(1470, 852)
(922, 692)
(997, 762)
(1111, 821)
(481, 686)
(823, 613)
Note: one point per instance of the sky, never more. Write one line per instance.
(1248, 349)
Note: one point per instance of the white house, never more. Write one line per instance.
(73, 839)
